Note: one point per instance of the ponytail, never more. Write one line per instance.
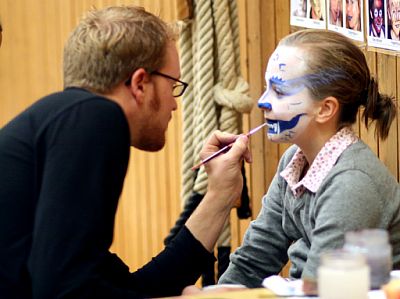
(380, 108)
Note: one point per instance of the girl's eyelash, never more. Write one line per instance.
(278, 92)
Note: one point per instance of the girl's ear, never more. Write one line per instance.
(328, 109)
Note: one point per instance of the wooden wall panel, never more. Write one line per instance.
(368, 135)
(398, 115)
(274, 24)
(34, 32)
(387, 84)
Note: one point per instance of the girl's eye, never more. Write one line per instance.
(278, 92)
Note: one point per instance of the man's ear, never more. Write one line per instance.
(138, 82)
(328, 109)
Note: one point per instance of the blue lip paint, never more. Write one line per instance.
(283, 125)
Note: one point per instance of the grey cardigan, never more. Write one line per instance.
(359, 192)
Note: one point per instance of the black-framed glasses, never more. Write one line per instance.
(178, 88)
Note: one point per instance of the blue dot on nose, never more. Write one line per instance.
(264, 105)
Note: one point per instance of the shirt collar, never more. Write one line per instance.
(322, 164)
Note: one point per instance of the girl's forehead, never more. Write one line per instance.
(286, 62)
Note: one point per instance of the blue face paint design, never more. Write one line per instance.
(278, 126)
(264, 105)
(287, 87)
(282, 88)
(276, 80)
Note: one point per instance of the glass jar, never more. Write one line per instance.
(374, 245)
(343, 275)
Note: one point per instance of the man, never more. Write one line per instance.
(64, 159)
(394, 17)
(376, 13)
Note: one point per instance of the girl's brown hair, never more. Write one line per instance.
(338, 68)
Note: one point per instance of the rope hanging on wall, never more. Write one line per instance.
(216, 96)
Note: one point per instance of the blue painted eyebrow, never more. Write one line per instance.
(276, 80)
(287, 87)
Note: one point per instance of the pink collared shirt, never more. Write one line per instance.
(321, 165)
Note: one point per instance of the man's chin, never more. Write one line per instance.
(153, 147)
(150, 145)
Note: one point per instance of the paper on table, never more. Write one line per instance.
(293, 289)
(284, 287)
(260, 293)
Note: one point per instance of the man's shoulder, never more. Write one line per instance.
(67, 98)
(73, 104)
(60, 103)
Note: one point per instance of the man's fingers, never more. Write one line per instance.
(240, 148)
(222, 138)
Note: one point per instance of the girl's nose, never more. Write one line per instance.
(263, 103)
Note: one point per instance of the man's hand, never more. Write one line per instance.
(224, 171)
(225, 184)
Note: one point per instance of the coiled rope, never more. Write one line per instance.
(218, 95)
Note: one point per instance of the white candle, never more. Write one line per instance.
(343, 275)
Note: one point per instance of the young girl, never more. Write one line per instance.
(329, 181)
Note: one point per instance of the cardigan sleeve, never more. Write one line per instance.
(264, 248)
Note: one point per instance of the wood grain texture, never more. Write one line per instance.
(34, 33)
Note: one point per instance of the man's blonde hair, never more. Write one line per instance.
(111, 43)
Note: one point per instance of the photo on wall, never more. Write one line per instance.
(353, 19)
(376, 19)
(316, 14)
(335, 15)
(308, 13)
(383, 24)
(393, 14)
(298, 13)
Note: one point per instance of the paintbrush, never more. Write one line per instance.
(225, 148)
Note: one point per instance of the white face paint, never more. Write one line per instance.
(287, 103)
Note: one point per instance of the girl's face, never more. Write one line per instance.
(287, 103)
(353, 14)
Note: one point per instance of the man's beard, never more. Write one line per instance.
(152, 138)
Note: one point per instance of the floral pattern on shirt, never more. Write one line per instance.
(321, 165)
